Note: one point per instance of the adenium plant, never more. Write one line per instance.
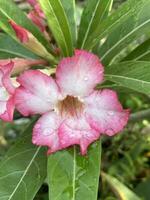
(71, 110)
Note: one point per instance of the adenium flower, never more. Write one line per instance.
(73, 112)
(6, 92)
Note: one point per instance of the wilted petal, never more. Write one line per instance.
(78, 75)
(37, 94)
(105, 113)
(77, 131)
(45, 132)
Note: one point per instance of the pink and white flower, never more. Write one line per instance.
(73, 112)
(6, 92)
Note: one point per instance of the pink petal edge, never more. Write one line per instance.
(78, 75)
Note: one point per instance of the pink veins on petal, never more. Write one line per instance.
(73, 112)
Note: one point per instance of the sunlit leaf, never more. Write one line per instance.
(121, 191)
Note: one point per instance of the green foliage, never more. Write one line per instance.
(9, 48)
(69, 175)
(72, 176)
(23, 169)
(120, 189)
(93, 14)
(134, 75)
(59, 24)
(9, 11)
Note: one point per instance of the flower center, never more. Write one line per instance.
(70, 106)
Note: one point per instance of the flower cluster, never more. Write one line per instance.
(72, 111)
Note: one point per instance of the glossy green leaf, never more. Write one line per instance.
(69, 7)
(8, 10)
(142, 52)
(121, 191)
(9, 48)
(131, 10)
(23, 169)
(72, 176)
(134, 75)
(59, 25)
(136, 24)
(93, 14)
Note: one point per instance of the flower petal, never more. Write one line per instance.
(6, 92)
(5, 71)
(45, 132)
(78, 75)
(105, 113)
(8, 110)
(77, 131)
(37, 94)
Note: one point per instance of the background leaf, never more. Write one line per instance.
(122, 192)
(58, 24)
(142, 52)
(23, 169)
(136, 24)
(69, 7)
(93, 14)
(126, 12)
(9, 48)
(132, 74)
(72, 176)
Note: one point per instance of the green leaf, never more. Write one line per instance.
(8, 10)
(72, 176)
(134, 75)
(135, 25)
(142, 52)
(93, 14)
(23, 169)
(9, 48)
(58, 24)
(143, 189)
(122, 191)
(69, 7)
(131, 10)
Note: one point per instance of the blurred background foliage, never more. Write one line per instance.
(125, 156)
